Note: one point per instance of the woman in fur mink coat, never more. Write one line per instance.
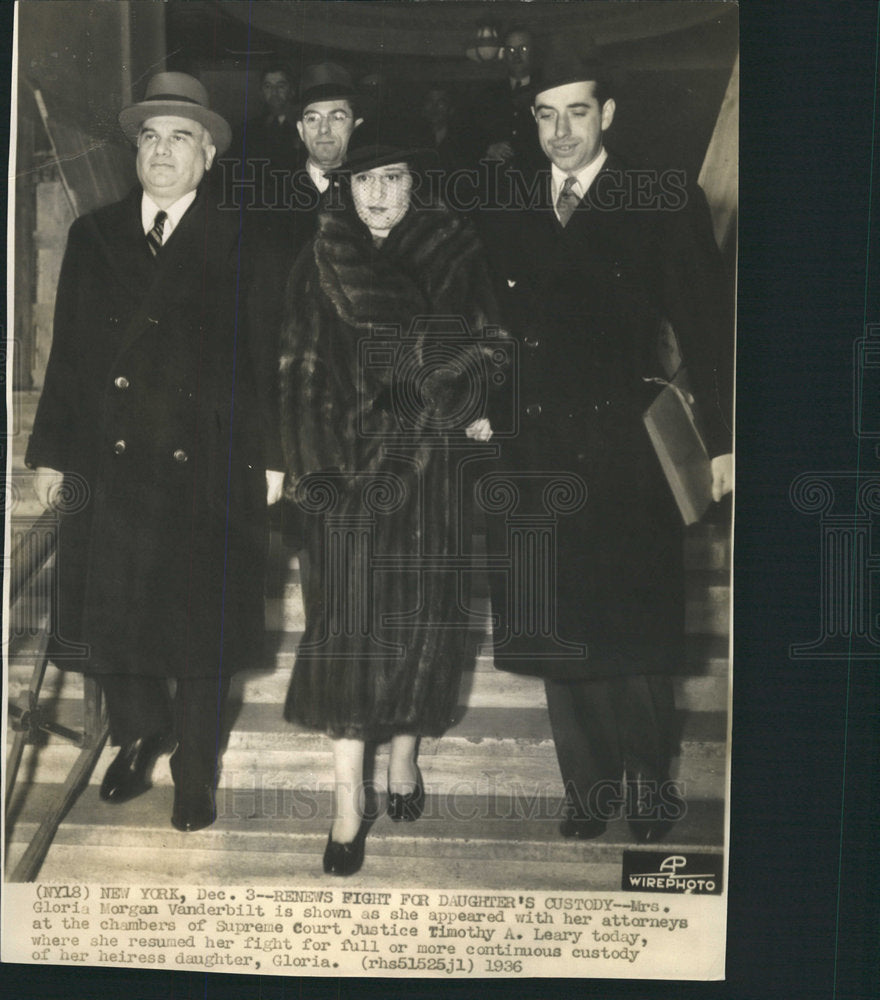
(381, 411)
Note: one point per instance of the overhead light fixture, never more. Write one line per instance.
(485, 45)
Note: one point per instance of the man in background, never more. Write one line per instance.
(266, 148)
(507, 116)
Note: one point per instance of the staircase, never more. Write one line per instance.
(493, 788)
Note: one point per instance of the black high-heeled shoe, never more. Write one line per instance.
(407, 807)
(345, 859)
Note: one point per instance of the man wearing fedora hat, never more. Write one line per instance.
(150, 399)
(326, 116)
(590, 275)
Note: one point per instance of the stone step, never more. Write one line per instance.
(487, 751)
(704, 654)
(499, 689)
(468, 841)
(707, 608)
(480, 688)
(707, 547)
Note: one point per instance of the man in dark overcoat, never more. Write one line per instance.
(326, 116)
(149, 399)
(590, 277)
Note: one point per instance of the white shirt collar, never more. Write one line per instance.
(585, 176)
(174, 213)
(318, 176)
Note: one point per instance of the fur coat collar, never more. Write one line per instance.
(422, 267)
(336, 411)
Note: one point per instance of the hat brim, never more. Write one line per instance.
(541, 87)
(326, 92)
(562, 76)
(372, 157)
(131, 119)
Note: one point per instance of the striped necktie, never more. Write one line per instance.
(567, 201)
(155, 235)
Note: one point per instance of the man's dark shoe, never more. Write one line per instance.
(649, 814)
(129, 774)
(194, 802)
(650, 831)
(582, 828)
(194, 809)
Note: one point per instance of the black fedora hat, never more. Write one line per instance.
(565, 66)
(182, 96)
(325, 81)
(397, 139)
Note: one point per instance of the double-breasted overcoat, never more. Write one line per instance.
(149, 408)
(588, 303)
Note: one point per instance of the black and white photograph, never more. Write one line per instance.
(370, 487)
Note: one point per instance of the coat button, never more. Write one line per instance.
(121, 382)
(532, 342)
(119, 447)
(180, 456)
(533, 410)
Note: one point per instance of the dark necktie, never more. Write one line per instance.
(155, 235)
(567, 201)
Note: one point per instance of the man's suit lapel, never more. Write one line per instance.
(121, 237)
(587, 208)
(580, 218)
(544, 217)
(168, 279)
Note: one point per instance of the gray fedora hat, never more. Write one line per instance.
(183, 96)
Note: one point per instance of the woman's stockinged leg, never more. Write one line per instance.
(402, 770)
(348, 766)
(406, 792)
